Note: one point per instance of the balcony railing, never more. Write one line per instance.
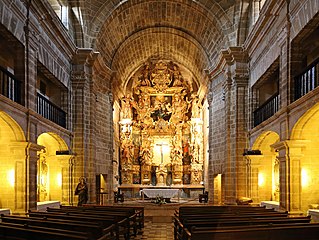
(10, 86)
(50, 111)
(266, 110)
(307, 80)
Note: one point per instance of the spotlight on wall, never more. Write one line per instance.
(261, 179)
(11, 177)
(59, 179)
(305, 179)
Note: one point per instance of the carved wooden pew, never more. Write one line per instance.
(231, 215)
(190, 223)
(93, 230)
(213, 218)
(122, 224)
(222, 209)
(273, 232)
(119, 215)
(204, 231)
(24, 232)
(138, 209)
(137, 220)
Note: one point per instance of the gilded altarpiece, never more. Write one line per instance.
(161, 129)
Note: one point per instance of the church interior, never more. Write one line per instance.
(211, 102)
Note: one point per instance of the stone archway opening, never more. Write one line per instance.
(12, 164)
(53, 170)
(307, 130)
(264, 169)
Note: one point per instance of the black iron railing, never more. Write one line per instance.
(10, 86)
(266, 110)
(50, 111)
(307, 80)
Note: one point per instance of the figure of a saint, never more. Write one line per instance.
(82, 192)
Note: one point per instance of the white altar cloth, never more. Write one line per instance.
(165, 193)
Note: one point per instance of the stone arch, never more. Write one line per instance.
(303, 129)
(12, 159)
(265, 168)
(52, 168)
(10, 129)
(265, 140)
(212, 11)
(306, 130)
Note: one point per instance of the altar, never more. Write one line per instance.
(160, 192)
(161, 133)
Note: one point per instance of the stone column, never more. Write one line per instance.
(290, 155)
(31, 175)
(236, 113)
(252, 169)
(82, 128)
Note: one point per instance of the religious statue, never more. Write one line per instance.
(126, 104)
(81, 191)
(196, 107)
(176, 156)
(177, 77)
(127, 151)
(144, 78)
(146, 156)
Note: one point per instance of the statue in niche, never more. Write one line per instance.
(144, 78)
(127, 151)
(177, 77)
(176, 156)
(196, 107)
(126, 105)
(43, 177)
(179, 109)
(143, 110)
(146, 156)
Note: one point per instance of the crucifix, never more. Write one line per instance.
(162, 155)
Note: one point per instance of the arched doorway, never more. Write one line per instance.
(12, 164)
(264, 173)
(54, 179)
(306, 130)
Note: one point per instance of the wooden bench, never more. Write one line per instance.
(94, 230)
(122, 224)
(181, 232)
(288, 232)
(231, 216)
(129, 213)
(138, 209)
(25, 232)
(189, 220)
(242, 222)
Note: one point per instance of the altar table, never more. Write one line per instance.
(160, 192)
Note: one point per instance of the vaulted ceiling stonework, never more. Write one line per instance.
(188, 32)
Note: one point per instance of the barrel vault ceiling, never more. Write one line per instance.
(191, 33)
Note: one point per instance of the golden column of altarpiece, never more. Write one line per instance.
(161, 129)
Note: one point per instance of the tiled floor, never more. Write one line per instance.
(156, 231)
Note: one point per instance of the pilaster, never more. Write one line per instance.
(290, 155)
(81, 77)
(235, 89)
